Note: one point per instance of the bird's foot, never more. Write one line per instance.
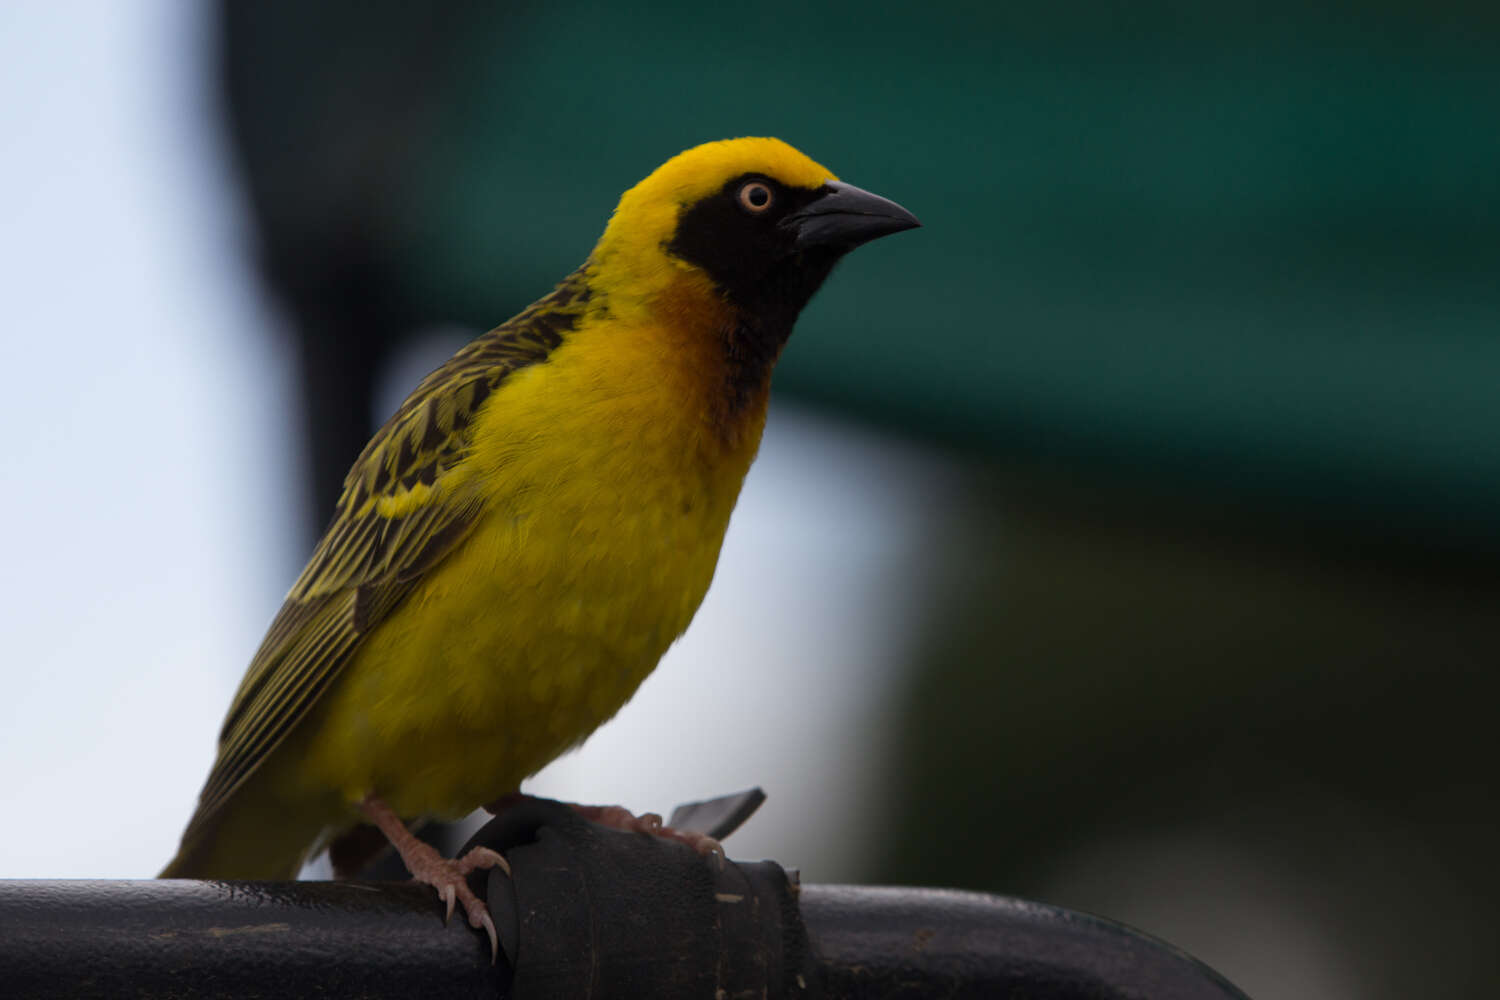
(620, 818)
(449, 876)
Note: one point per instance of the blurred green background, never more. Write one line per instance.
(1189, 384)
(1233, 249)
(1206, 314)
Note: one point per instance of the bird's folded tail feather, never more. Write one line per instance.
(239, 843)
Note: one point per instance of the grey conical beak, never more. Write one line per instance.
(847, 216)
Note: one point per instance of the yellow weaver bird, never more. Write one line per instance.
(517, 547)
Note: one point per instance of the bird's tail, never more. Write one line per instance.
(248, 837)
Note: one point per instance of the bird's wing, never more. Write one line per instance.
(407, 502)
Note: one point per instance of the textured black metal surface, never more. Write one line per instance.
(180, 938)
(608, 914)
(895, 943)
(589, 912)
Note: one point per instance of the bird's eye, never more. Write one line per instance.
(755, 197)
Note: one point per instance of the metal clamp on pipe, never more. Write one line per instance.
(589, 911)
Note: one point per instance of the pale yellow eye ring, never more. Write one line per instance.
(756, 197)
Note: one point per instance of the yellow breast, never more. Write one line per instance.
(610, 472)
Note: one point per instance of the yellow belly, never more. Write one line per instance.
(598, 541)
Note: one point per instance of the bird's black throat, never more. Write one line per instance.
(763, 321)
(752, 262)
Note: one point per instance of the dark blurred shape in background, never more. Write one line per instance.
(334, 110)
(1206, 302)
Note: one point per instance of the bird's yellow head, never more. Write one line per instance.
(753, 220)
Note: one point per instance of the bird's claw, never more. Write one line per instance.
(450, 879)
(448, 876)
(489, 928)
(620, 818)
(700, 842)
(481, 857)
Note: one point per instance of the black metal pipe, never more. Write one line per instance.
(587, 912)
(876, 941)
(180, 938)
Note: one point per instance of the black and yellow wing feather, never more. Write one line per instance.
(400, 513)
